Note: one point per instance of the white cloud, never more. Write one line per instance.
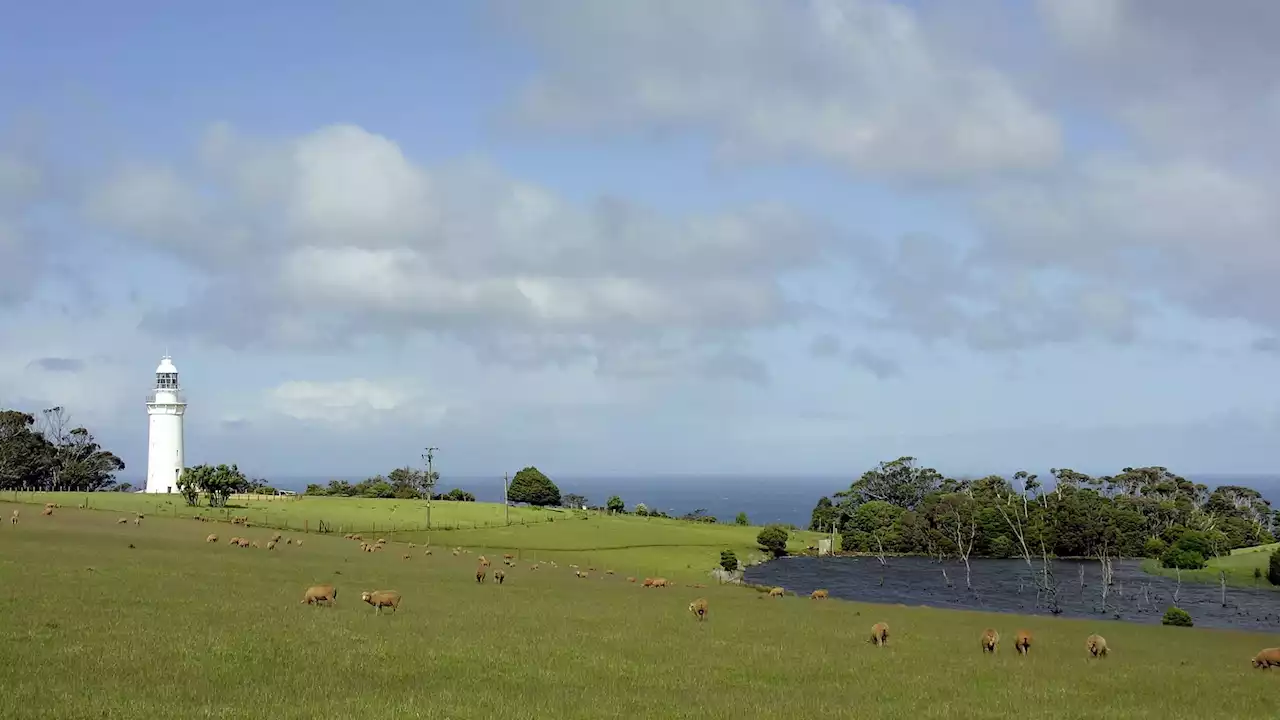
(354, 402)
(859, 83)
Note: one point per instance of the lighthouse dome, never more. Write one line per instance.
(166, 366)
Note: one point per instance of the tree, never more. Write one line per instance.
(456, 495)
(960, 517)
(899, 482)
(26, 456)
(642, 510)
(773, 538)
(532, 487)
(574, 500)
(728, 560)
(741, 519)
(615, 505)
(189, 486)
(1273, 568)
(824, 515)
(219, 482)
(407, 482)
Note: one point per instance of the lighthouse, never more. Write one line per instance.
(165, 408)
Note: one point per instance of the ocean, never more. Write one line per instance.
(765, 499)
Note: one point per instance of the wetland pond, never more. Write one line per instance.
(1006, 586)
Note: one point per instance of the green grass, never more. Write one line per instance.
(177, 628)
(1238, 566)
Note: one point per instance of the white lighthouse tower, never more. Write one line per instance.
(165, 408)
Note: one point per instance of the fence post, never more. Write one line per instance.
(306, 527)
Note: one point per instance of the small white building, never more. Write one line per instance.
(165, 410)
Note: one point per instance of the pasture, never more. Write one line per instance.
(107, 620)
(1239, 567)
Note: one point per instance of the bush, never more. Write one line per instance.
(1154, 547)
(741, 519)
(773, 538)
(1177, 617)
(728, 560)
(1273, 569)
(1176, 557)
(1195, 541)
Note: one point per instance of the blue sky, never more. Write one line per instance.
(667, 237)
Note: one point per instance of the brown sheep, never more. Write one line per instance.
(484, 561)
(480, 572)
(776, 592)
(47, 511)
(1266, 658)
(818, 595)
(1097, 646)
(382, 598)
(990, 639)
(347, 536)
(321, 595)
(699, 609)
(244, 543)
(234, 541)
(880, 634)
(507, 556)
(499, 576)
(276, 537)
(1022, 642)
(122, 521)
(211, 538)
(13, 519)
(356, 537)
(648, 582)
(660, 583)
(631, 579)
(255, 544)
(271, 544)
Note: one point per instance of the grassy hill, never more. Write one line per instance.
(1239, 567)
(103, 620)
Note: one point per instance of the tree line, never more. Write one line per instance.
(901, 507)
(51, 453)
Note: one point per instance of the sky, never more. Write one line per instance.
(628, 238)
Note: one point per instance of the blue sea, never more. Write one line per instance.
(765, 499)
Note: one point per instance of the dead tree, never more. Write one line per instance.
(1222, 582)
(1177, 590)
(964, 535)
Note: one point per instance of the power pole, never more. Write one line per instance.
(506, 481)
(429, 456)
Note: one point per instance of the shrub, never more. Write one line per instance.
(1154, 547)
(1176, 557)
(728, 560)
(1273, 569)
(1195, 541)
(773, 538)
(741, 519)
(1177, 617)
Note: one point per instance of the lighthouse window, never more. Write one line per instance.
(167, 380)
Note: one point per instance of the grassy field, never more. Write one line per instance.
(103, 620)
(1239, 567)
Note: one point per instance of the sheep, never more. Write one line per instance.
(1266, 658)
(347, 536)
(608, 572)
(271, 544)
(244, 542)
(234, 541)
(298, 544)
(699, 609)
(276, 537)
(211, 538)
(321, 595)
(648, 582)
(582, 575)
(412, 545)
(122, 521)
(776, 592)
(880, 634)
(499, 576)
(631, 579)
(381, 541)
(506, 556)
(1022, 642)
(990, 639)
(137, 520)
(481, 569)
(426, 553)
(456, 553)
(47, 511)
(356, 537)
(382, 598)
(1097, 646)
(254, 544)
(818, 595)
(288, 541)
(13, 519)
(660, 583)
(484, 561)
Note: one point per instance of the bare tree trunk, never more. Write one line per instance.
(1080, 567)
(1177, 590)
(1222, 581)
(880, 555)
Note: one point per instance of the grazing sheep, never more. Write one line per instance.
(244, 542)
(412, 546)
(880, 634)
(407, 556)
(13, 519)
(484, 561)
(776, 592)
(507, 556)
(211, 538)
(456, 553)
(298, 544)
(631, 579)
(499, 576)
(277, 537)
(81, 506)
(255, 544)
(660, 583)
(1266, 658)
(271, 544)
(426, 552)
(579, 573)
(288, 541)
(47, 511)
(321, 595)
(990, 639)
(699, 608)
(1097, 646)
(375, 547)
(591, 569)
(1022, 642)
(234, 541)
(382, 598)
(356, 537)
(347, 536)
(608, 572)
(122, 521)
(480, 572)
(648, 582)
(818, 595)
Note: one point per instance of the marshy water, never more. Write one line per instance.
(1006, 586)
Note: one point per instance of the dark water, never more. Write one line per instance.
(1004, 586)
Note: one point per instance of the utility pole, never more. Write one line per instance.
(429, 456)
(506, 481)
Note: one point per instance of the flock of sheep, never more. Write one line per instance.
(327, 595)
